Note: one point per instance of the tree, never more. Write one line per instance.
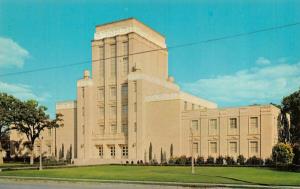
(9, 107)
(282, 154)
(171, 151)
(150, 152)
(31, 120)
(291, 105)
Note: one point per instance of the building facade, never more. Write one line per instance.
(130, 104)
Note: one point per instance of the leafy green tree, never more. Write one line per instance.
(291, 105)
(282, 154)
(9, 107)
(31, 120)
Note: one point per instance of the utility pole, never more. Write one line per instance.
(41, 154)
(192, 141)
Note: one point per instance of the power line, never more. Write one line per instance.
(160, 49)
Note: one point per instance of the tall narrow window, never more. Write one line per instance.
(135, 127)
(195, 147)
(82, 91)
(124, 151)
(213, 127)
(101, 129)
(113, 128)
(113, 111)
(185, 105)
(254, 147)
(101, 63)
(112, 151)
(124, 128)
(113, 60)
(124, 90)
(125, 48)
(233, 123)
(253, 125)
(213, 147)
(100, 95)
(195, 124)
(100, 151)
(134, 86)
(233, 147)
(125, 66)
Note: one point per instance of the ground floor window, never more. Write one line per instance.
(100, 151)
(113, 151)
(124, 151)
(254, 147)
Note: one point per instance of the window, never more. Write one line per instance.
(49, 132)
(124, 109)
(113, 151)
(82, 91)
(83, 129)
(101, 62)
(113, 60)
(193, 106)
(100, 94)
(124, 91)
(135, 127)
(101, 129)
(135, 107)
(125, 47)
(213, 127)
(113, 128)
(233, 147)
(49, 149)
(83, 111)
(185, 105)
(124, 128)
(125, 66)
(195, 147)
(253, 125)
(195, 124)
(233, 123)
(213, 147)
(113, 93)
(100, 151)
(101, 112)
(124, 151)
(113, 111)
(254, 147)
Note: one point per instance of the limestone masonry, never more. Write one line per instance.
(129, 103)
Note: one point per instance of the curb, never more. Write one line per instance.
(206, 185)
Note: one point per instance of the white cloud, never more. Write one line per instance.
(263, 61)
(256, 85)
(11, 53)
(21, 91)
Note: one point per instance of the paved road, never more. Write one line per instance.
(10, 184)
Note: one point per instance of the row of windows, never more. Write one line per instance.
(193, 107)
(113, 128)
(232, 147)
(213, 125)
(112, 151)
(113, 92)
(113, 60)
(113, 111)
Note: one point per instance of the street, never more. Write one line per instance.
(11, 184)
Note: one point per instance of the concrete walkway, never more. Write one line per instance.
(178, 184)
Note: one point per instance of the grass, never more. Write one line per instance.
(218, 175)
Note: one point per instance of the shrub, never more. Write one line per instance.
(172, 161)
(268, 162)
(220, 160)
(241, 160)
(153, 162)
(282, 154)
(229, 160)
(254, 161)
(181, 160)
(296, 151)
(200, 160)
(210, 160)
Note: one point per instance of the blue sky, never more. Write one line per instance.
(259, 68)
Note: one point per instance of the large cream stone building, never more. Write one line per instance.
(129, 103)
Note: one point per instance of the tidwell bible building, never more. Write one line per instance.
(129, 102)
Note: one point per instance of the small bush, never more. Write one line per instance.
(229, 160)
(200, 160)
(153, 162)
(282, 154)
(172, 161)
(241, 160)
(296, 151)
(220, 160)
(181, 160)
(254, 161)
(268, 162)
(210, 160)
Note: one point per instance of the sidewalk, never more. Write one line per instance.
(200, 185)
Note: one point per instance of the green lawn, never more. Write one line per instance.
(232, 175)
